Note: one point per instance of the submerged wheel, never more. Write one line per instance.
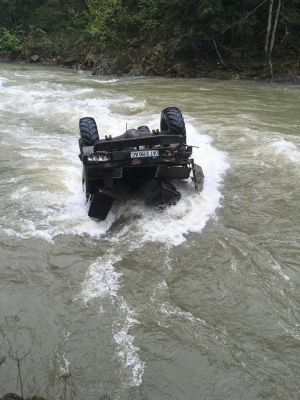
(172, 121)
(88, 131)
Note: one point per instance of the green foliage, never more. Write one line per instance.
(7, 12)
(47, 18)
(185, 29)
(119, 23)
(38, 41)
(10, 43)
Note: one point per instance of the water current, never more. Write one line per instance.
(196, 301)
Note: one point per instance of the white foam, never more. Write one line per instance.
(278, 151)
(127, 351)
(166, 310)
(276, 266)
(2, 80)
(286, 148)
(107, 81)
(65, 366)
(59, 197)
(194, 209)
(128, 107)
(102, 280)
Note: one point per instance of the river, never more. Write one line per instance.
(196, 301)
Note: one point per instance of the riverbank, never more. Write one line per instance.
(154, 63)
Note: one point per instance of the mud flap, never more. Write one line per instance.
(101, 204)
(198, 177)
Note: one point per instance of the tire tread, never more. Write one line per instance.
(88, 131)
(172, 121)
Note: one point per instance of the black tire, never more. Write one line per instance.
(80, 144)
(172, 122)
(144, 129)
(88, 131)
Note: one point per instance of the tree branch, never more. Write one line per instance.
(244, 19)
(217, 51)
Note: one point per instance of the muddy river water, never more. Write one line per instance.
(195, 301)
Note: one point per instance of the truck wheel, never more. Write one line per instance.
(80, 144)
(172, 122)
(88, 131)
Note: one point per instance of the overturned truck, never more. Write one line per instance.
(133, 158)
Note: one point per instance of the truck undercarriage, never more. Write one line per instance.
(134, 158)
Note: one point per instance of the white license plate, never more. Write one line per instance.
(144, 153)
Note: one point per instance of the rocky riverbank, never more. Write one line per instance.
(154, 62)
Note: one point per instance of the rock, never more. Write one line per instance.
(103, 68)
(35, 58)
(69, 61)
(286, 79)
(35, 398)
(12, 396)
(114, 70)
(4, 59)
(122, 63)
(236, 77)
(135, 72)
(90, 61)
(181, 69)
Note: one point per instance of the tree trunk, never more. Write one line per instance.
(218, 53)
(266, 50)
(274, 27)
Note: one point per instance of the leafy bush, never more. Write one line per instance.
(38, 41)
(10, 43)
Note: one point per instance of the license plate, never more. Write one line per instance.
(144, 153)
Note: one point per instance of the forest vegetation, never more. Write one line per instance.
(157, 37)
